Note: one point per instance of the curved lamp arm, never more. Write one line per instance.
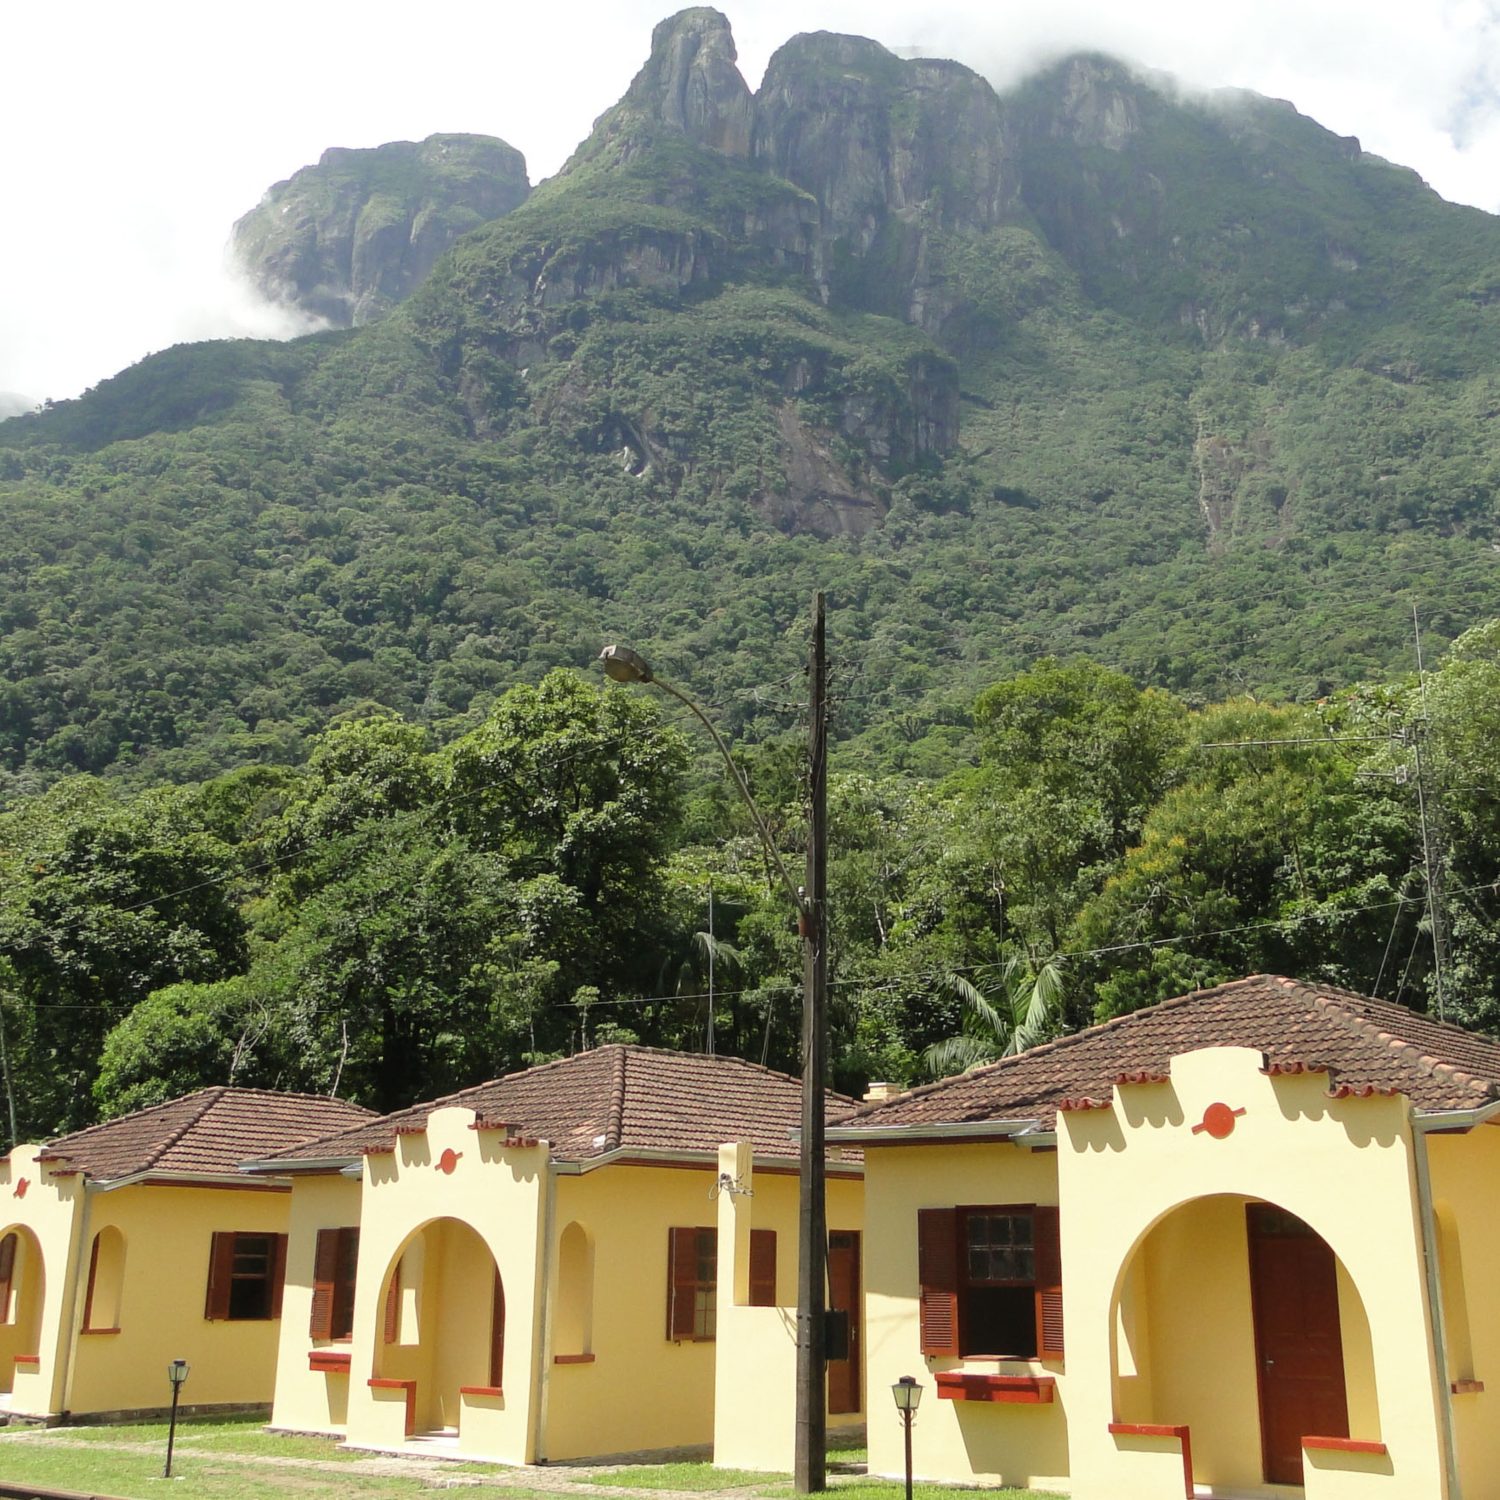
(621, 664)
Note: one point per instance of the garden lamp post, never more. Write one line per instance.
(908, 1396)
(810, 1461)
(177, 1372)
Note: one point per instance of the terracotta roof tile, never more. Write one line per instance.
(1366, 1045)
(612, 1098)
(211, 1132)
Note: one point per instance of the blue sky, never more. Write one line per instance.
(135, 134)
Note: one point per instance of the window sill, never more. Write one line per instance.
(94, 1333)
(331, 1361)
(491, 1392)
(1467, 1387)
(27, 1361)
(1018, 1390)
(572, 1359)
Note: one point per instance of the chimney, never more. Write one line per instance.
(878, 1093)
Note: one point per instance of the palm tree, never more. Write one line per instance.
(1015, 1015)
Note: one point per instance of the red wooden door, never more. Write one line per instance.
(843, 1295)
(1298, 1352)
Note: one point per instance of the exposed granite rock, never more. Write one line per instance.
(689, 86)
(348, 239)
(1095, 104)
(872, 135)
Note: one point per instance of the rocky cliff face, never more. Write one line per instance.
(689, 87)
(348, 239)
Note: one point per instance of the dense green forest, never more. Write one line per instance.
(396, 918)
(1117, 425)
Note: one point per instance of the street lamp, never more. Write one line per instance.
(177, 1372)
(908, 1396)
(621, 664)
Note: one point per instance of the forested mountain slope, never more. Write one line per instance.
(1189, 385)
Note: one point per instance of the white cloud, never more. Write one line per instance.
(136, 134)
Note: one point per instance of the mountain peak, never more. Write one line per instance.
(689, 86)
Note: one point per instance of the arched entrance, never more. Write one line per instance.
(1235, 1319)
(443, 1322)
(23, 1285)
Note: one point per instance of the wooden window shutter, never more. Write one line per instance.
(88, 1301)
(346, 1274)
(1049, 1301)
(393, 1306)
(325, 1273)
(278, 1272)
(762, 1268)
(220, 1275)
(682, 1281)
(497, 1333)
(937, 1271)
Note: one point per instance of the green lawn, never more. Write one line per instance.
(684, 1476)
(239, 1460)
(703, 1476)
(97, 1469)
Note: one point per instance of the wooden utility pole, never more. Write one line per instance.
(810, 1466)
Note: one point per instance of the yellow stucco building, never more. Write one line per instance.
(1238, 1244)
(553, 1265)
(137, 1242)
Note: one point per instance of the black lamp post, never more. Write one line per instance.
(177, 1372)
(810, 1458)
(908, 1396)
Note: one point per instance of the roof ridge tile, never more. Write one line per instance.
(193, 1119)
(615, 1131)
(1409, 1051)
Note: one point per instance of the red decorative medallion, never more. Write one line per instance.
(21, 1186)
(448, 1160)
(1218, 1120)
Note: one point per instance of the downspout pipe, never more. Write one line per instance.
(546, 1307)
(75, 1293)
(1422, 1126)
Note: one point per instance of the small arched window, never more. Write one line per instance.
(573, 1326)
(101, 1308)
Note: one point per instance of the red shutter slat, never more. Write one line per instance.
(1049, 1302)
(7, 1273)
(220, 1275)
(497, 1333)
(937, 1271)
(682, 1281)
(278, 1272)
(762, 1268)
(88, 1301)
(325, 1273)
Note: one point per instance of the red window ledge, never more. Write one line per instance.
(572, 1359)
(30, 1361)
(1021, 1390)
(1344, 1445)
(1466, 1387)
(492, 1391)
(332, 1361)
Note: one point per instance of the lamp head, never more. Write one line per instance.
(177, 1371)
(908, 1393)
(621, 664)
